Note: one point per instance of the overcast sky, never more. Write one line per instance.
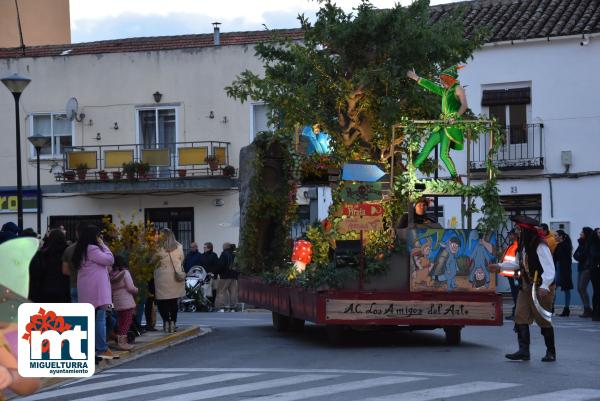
(112, 19)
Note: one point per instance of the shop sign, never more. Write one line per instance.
(9, 204)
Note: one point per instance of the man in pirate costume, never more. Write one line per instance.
(454, 104)
(536, 268)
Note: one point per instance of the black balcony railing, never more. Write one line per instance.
(172, 160)
(522, 149)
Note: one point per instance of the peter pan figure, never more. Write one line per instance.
(454, 104)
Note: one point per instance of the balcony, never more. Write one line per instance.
(141, 168)
(522, 149)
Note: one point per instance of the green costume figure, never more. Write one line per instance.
(454, 104)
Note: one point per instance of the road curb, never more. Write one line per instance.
(140, 350)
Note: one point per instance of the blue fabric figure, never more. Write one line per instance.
(481, 254)
(318, 142)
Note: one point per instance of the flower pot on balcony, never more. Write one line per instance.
(82, 170)
(103, 175)
(213, 165)
(181, 172)
(116, 175)
(69, 175)
(228, 171)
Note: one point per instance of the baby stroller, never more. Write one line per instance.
(198, 291)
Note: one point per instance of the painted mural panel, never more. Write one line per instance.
(451, 260)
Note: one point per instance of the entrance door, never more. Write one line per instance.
(528, 205)
(179, 220)
(70, 223)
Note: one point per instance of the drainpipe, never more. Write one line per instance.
(551, 198)
(216, 33)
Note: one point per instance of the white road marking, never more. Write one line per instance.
(573, 394)
(444, 392)
(336, 388)
(243, 388)
(98, 386)
(278, 370)
(135, 392)
(85, 379)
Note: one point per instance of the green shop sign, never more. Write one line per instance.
(8, 202)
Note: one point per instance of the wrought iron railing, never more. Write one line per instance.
(165, 161)
(522, 150)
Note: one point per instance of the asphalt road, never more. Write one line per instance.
(245, 358)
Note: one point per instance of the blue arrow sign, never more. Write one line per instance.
(362, 172)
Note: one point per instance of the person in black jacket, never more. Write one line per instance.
(227, 289)
(594, 264)
(583, 271)
(562, 260)
(209, 260)
(47, 283)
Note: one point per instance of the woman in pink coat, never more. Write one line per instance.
(123, 291)
(93, 259)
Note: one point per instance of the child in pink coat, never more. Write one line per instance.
(123, 292)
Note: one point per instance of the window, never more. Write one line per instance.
(259, 119)
(157, 129)
(509, 108)
(57, 128)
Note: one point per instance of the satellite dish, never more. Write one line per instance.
(71, 110)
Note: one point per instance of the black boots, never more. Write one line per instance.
(566, 312)
(548, 333)
(587, 312)
(523, 337)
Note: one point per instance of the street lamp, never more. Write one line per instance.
(16, 84)
(38, 141)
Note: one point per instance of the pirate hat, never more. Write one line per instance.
(525, 222)
(452, 71)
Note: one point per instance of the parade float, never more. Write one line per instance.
(347, 121)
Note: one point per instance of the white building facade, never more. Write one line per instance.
(157, 100)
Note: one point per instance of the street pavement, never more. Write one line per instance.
(244, 358)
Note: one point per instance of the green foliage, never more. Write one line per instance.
(320, 245)
(268, 204)
(349, 75)
(137, 242)
(360, 56)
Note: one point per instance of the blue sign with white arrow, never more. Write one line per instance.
(362, 172)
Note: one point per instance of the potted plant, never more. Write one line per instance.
(129, 170)
(103, 175)
(116, 175)
(69, 175)
(213, 162)
(228, 171)
(182, 172)
(81, 170)
(142, 170)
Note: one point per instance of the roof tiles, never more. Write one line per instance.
(504, 20)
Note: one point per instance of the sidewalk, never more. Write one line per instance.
(148, 343)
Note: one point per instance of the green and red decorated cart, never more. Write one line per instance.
(344, 117)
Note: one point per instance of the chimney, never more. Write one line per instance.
(216, 33)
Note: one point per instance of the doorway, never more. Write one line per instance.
(179, 220)
(528, 205)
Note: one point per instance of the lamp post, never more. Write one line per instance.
(16, 84)
(38, 141)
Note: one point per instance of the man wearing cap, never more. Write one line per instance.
(536, 267)
(420, 217)
(454, 104)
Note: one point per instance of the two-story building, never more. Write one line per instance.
(159, 101)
